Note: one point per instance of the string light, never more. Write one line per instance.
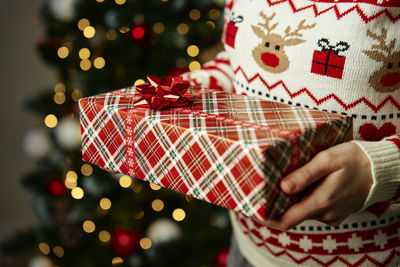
(155, 187)
(63, 52)
(104, 236)
(194, 66)
(77, 192)
(59, 98)
(125, 181)
(105, 203)
(44, 248)
(210, 24)
(193, 50)
(59, 251)
(124, 29)
(157, 205)
(178, 215)
(71, 175)
(83, 23)
(164, 1)
(117, 260)
(85, 64)
(139, 82)
(139, 215)
(88, 226)
(70, 184)
(182, 28)
(158, 27)
(50, 121)
(84, 53)
(99, 1)
(120, 2)
(99, 63)
(71, 179)
(60, 87)
(145, 243)
(89, 32)
(214, 14)
(76, 95)
(86, 169)
(194, 14)
(111, 34)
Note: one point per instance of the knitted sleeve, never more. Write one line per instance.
(215, 74)
(384, 156)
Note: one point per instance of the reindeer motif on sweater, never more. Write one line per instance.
(270, 54)
(387, 78)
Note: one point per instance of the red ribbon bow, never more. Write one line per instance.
(160, 93)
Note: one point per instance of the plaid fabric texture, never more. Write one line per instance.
(102, 119)
(227, 149)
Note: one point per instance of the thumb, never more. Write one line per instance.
(306, 175)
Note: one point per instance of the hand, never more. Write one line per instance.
(337, 180)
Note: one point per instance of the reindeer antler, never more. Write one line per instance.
(296, 32)
(382, 41)
(267, 19)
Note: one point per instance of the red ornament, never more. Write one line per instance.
(221, 258)
(55, 187)
(138, 32)
(124, 242)
(161, 93)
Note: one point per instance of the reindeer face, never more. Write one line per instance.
(387, 78)
(270, 54)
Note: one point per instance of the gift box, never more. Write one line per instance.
(227, 149)
(328, 62)
(231, 30)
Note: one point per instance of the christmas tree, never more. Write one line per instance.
(89, 217)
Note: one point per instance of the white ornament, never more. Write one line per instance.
(40, 261)
(163, 230)
(63, 10)
(36, 143)
(68, 133)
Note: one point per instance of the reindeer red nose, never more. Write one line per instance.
(390, 79)
(270, 59)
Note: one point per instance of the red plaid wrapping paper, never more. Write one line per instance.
(227, 149)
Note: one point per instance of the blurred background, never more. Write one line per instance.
(57, 210)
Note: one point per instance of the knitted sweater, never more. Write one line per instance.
(340, 56)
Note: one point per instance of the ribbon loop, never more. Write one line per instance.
(339, 47)
(160, 93)
(237, 19)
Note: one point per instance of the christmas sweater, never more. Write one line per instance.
(340, 56)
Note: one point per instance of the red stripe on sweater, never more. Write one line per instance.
(356, 9)
(373, 107)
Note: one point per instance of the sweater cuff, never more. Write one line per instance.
(384, 157)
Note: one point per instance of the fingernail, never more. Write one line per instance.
(288, 185)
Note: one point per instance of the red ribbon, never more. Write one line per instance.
(160, 93)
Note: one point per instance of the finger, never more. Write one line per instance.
(320, 166)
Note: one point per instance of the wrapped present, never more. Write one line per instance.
(328, 62)
(231, 30)
(227, 149)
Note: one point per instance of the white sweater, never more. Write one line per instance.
(340, 56)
